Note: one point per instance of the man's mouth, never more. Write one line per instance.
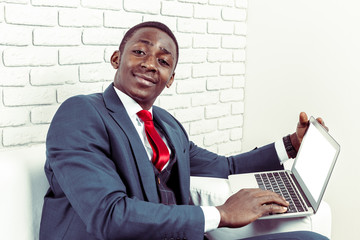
(145, 79)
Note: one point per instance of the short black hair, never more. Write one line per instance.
(151, 24)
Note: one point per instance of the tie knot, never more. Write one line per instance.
(144, 115)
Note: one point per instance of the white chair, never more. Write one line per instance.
(23, 185)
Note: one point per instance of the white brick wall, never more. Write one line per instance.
(52, 50)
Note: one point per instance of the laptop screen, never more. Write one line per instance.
(315, 161)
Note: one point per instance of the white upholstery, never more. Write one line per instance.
(23, 185)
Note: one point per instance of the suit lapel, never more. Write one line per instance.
(119, 114)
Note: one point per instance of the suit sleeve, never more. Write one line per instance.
(208, 164)
(79, 169)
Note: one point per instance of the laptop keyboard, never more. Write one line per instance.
(280, 183)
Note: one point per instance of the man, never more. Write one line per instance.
(100, 148)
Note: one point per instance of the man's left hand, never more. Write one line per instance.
(302, 126)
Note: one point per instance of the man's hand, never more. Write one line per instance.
(302, 126)
(247, 205)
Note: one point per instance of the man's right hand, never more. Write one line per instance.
(247, 205)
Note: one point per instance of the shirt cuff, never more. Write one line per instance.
(281, 151)
(212, 218)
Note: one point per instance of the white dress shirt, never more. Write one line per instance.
(211, 214)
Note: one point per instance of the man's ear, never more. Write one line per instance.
(115, 59)
(170, 81)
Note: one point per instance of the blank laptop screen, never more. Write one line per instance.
(314, 161)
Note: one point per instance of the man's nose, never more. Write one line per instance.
(149, 63)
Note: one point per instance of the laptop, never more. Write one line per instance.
(308, 177)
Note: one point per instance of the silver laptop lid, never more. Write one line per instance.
(315, 161)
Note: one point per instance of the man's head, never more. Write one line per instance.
(145, 62)
(151, 24)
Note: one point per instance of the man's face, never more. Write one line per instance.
(145, 66)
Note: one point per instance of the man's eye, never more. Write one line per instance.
(164, 62)
(139, 52)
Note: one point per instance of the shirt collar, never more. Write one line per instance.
(131, 106)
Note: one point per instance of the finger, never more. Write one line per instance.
(303, 119)
(272, 197)
(321, 121)
(273, 209)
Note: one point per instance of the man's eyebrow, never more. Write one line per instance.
(151, 44)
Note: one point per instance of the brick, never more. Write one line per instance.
(29, 96)
(183, 71)
(216, 138)
(102, 36)
(12, 77)
(233, 14)
(171, 91)
(109, 52)
(30, 56)
(237, 108)
(26, 15)
(81, 55)
(10, 35)
(238, 81)
(17, 1)
(80, 18)
(220, 27)
(139, 6)
(121, 19)
(184, 40)
(172, 9)
(205, 98)
(24, 135)
(171, 22)
(103, 4)
(191, 86)
(201, 127)
(226, 3)
(232, 95)
(205, 70)
(241, 3)
(240, 29)
(229, 148)
(217, 111)
(186, 25)
(66, 91)
(231, 122)
(207, 12)
(96, 72)
(206, 41)
(220, 55)
(219, 83)
(43, 114)
(236, 134)
(194, 1)
(239, 55)
(192, 56)
(189, 114)
(56, 3)
(57, 37)
(175, 102)
(2, 12)
(227, 69)
(11, 117)
(233, 42)
(44, 76)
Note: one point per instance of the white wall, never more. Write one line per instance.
(51, 50)
(304, 56)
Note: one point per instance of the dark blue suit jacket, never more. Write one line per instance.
(102, 184)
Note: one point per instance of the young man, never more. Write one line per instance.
(112, 178)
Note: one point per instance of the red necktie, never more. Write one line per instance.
(160, 151)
